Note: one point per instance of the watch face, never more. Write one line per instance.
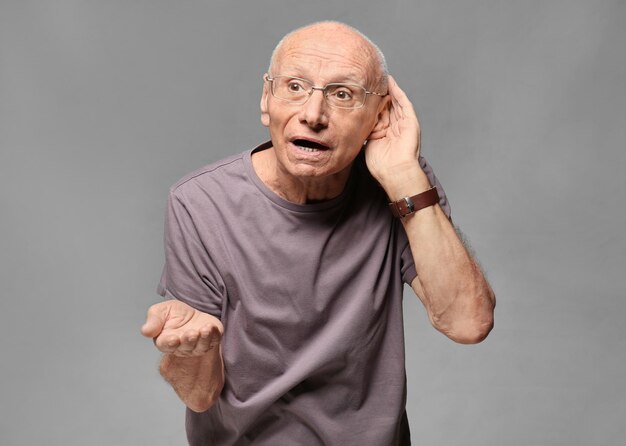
(409, 204)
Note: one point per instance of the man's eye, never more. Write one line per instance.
(294, 87)
(343, 94)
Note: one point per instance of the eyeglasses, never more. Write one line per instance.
(297, 91)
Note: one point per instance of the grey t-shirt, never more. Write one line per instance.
(311, 301)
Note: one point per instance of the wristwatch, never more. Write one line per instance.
(408, 205)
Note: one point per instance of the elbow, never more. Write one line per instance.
(470, 326)
(472, 333)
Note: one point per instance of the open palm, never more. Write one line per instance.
(182, 330)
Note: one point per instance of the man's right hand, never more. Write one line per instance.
(181, 330)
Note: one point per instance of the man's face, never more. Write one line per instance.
(314, 139)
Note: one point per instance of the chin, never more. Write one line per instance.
(307, 171)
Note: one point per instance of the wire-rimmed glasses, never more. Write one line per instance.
(296, 90)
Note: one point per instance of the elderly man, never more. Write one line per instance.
(285, 264)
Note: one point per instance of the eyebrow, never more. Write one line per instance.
(299, 69)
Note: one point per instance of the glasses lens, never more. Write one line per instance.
(291, 89)
(298, 91)
(345, 95)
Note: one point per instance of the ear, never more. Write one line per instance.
(382, 119)
(265, 115)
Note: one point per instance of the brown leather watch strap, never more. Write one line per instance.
(409, 205)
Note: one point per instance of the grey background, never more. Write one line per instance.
(104, 104)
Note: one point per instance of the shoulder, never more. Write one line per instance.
(227, 174)
(208, 173)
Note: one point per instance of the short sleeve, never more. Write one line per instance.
(408, 264)
(189, 274)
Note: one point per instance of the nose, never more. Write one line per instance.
(314, 111)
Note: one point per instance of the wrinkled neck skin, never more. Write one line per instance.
(299, 190)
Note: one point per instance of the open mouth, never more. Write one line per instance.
(309, 146)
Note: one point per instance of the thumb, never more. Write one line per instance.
(157, 315)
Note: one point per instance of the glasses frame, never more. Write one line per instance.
(323, 89)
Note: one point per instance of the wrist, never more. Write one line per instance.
(404, 180)
(410, 205)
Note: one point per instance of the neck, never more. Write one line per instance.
(299, 190)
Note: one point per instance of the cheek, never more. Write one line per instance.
(279, 119)
(359, 131)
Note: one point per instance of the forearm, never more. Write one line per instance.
(197, 380)
(455, 293)
(454, 290)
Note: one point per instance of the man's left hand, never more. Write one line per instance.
(392, 153)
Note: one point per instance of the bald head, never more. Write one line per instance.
(341, 35)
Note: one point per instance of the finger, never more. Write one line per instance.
(155, 321)
(189, 341)
(167, 343)
(210, 338)
(397, 94)
(398, 112)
